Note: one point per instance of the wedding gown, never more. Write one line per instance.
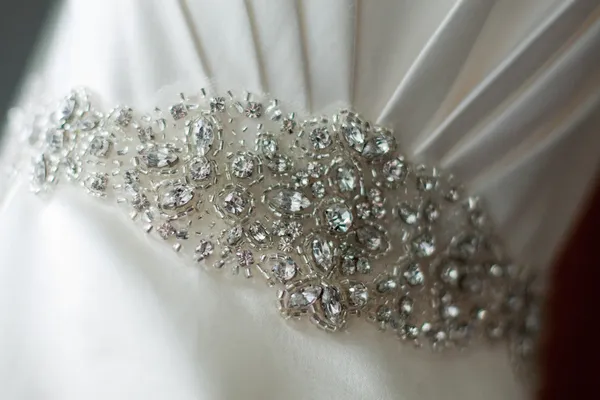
(504, 94)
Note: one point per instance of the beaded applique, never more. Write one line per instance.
(326, 209)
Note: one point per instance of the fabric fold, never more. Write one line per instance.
(425, 85)
(523, 62)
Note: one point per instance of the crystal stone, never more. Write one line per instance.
(413, 275)
(234, 235)
(431, 211)
(99, 146)
(363, 266)
(318, 189)
(66, 108)
(387, 284)
(242, 166)
(331, 303)
(279, 163)
(72, 168)
(267, 145)
(203, 134)
(97, 182)
(378, 147)
(124, 117)
(358, 294)
(245, 257)
(424, 245)
(322, 253)
(408, 213)
(346, 178)
(200, 169)
(258, 233)
(176, 197)
(178, 111)
(395, 170)
(235, 202)
(217, 104)
(354, 136)
(370, 237)
(349, 261)
(288, 125)
(284, 269)
(289, 201)
(139, 201)
(451, 273)
(406, 305)
(159, 157)
(204, 249)
(305, 296)
(320, 138)
(253, 110)
(338, 217)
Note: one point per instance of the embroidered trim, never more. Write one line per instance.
(326, 209)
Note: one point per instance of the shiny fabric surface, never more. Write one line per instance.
(505, 94)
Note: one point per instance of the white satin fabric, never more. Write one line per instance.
(503, 93)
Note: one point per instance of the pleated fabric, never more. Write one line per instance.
(505, 94)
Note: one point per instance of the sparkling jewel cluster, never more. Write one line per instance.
(326, 209)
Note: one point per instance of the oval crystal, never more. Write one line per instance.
(354, 136)
(176, 197)
(203, 134)
(159, 157)
(346, 178)
(288, 201)
(332, 305)
(322, 253)
(304, 297)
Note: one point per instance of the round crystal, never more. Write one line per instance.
(451, 273)
(408, 213)
(235, 202)
(284, 269)
(318, 189)
(242, 166)
(370, 237)
(413, 275)
(200, 169)
(378, 147)
(267, 146)
(358, 294)
(395, 170)
(386, 285)
(99, 146)
(320, 138)
(234, 235)
(424, 245)
(406, 305)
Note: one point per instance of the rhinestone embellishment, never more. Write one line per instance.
(327, 209)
